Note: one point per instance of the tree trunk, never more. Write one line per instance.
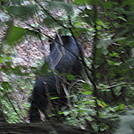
(40, 128)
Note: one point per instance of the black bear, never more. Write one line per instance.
(64, 58)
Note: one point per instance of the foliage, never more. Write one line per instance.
(109, 24)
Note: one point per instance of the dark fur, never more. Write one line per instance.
(51, 85)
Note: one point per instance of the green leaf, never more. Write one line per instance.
(87, 93)
(131, 43)
(117, 90)
(78, 30)
(86, 86)
(109, 4)
(102, 104)
(114, 54)
(70, 77)
(8, 58)
(121, 40)
(54, 98)
(6, 86)
(1, 60)
(81, 1)
(120, 107)
(114, 63)
(14, 34)
(99, 22)
(66, 113)
(22, 12)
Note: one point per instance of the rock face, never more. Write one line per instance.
(30, 52)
